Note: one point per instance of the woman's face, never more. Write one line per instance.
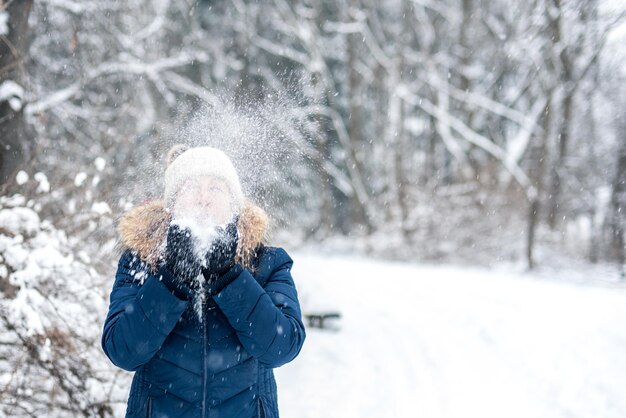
(204, 197)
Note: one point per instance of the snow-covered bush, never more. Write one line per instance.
(51, 312)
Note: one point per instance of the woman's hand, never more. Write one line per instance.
(220, 267)
(181, 265)
(221, 254)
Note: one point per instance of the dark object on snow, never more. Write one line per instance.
(318, 320)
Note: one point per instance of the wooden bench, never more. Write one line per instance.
(318, 319)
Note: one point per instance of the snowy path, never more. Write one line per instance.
(444, 342)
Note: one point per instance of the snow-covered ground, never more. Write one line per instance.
(430, 342)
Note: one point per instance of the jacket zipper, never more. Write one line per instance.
(149, 412)
(261, 413)
(204, 361)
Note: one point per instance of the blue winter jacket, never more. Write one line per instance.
(218, 367)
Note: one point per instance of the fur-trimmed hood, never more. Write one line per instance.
(143, 229)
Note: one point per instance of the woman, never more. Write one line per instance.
(201, 309)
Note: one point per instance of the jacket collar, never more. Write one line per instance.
(143, 229)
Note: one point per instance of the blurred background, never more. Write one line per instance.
(450, 171)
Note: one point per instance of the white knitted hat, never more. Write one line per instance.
(185, 163)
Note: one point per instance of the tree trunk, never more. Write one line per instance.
(16, 145)
(535, 204)
(562, 138)
(618, 203)
(355, 126)
(557, 167)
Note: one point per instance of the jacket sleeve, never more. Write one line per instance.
(140, 316)
(268, 321)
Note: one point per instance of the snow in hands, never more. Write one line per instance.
(203, 231)
(204, 237)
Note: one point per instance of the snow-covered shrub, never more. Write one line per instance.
(51, 313)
